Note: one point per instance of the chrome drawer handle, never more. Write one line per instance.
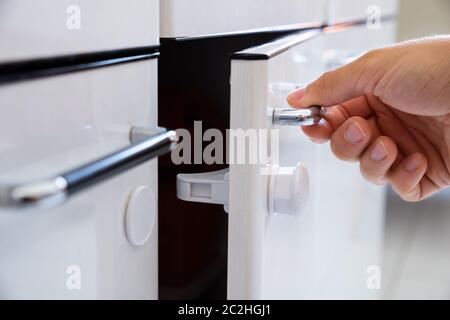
(297, 117)
(145, 145)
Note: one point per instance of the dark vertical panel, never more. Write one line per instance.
(194, 85)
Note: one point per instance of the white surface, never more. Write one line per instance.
(347, 10)
(140, 215)
(326, 252)
(417, 248)
(38, 28)
(53, 124)
(188, 18)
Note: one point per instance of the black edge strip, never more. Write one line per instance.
(253, 54)
(45, 67)
(250, 56)
(285, 43)
(277, 29)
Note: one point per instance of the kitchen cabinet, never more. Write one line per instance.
(75, 96)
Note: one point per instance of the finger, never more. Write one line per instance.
(319, 133)
(438, 173)
(336, 86)
(391, 125)
(351, 139)
(335, 116)
(406, 177)
(376, 161)
(338, 114)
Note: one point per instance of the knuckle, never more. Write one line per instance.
(439, 176)
(372, 55)
(375, 176)
(369, 64)
(407, 193)
(344, 154)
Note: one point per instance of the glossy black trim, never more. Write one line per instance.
(271, 49)
(44, 67)
(268, 30)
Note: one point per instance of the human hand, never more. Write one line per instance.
(389, 110)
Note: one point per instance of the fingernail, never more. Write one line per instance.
(413, 162)
(379, 152)
(354, 133)
(297, 94)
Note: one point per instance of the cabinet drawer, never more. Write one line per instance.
(46, 28)
(56, 123)
(339, 232)
(193, 18)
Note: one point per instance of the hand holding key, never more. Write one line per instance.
(389, 110)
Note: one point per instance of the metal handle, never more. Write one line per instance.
(297, 117)
(145, 145)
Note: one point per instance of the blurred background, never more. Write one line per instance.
(420, 18)
(417, 241)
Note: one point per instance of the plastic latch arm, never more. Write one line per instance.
(206, 187)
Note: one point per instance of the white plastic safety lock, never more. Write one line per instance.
(289, 190)
(207, 187)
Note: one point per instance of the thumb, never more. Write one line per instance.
(333, 87)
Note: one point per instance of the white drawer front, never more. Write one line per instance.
(53, 124)
(345, 10)
(45, 28)
(325, 252)
(190, 18)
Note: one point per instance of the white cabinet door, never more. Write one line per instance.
(47, 28)
(83, 248)
(330, 250)
(194, 18)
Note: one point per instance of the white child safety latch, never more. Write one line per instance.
(287, 193)
(207, 187)
(289, 190)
